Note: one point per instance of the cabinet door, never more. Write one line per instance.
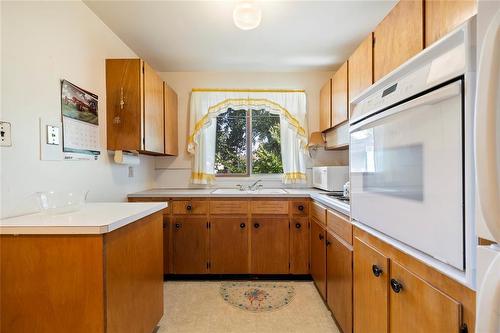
(361, 68)
(339, 95)
(318, 256)
(270, 245)
(229, 245)
(443, 16)
(153, 112)
(190, 245)
(371, 278)
(416, 306)
(339, 280)
(299, 245)
(166, 244)
(325, 106)
(123, 104)
(398, 37)
(171, 110)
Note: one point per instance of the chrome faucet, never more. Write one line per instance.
(254, 186)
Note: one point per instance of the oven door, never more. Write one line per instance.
(407, 173)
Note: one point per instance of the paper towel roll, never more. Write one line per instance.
(128, 158)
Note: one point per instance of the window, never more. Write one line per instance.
(247, 142)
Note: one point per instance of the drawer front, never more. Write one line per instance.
(190, 207)
(318, 212)
(269, 207)
(166, 211)
(228, 207)
(340, 225)
(299, 207)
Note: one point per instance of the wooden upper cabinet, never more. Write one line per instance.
(340, 95)
(153, 111)
(339, 280)
(371, 279)
(416, 306)
(318, 257)
(171, 110)
(361, 68)
(229, 245)
(325, 106)
(139, 116)
(270, 245)
(443, 16)
(124, 104)
(398, 37)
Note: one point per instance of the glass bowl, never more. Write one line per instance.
(52, 202)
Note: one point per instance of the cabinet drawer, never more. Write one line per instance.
(318, 212)
(269, 207)
(228, 207)
(166, 211)
(299, 207)
(190, 207)
(340, 225)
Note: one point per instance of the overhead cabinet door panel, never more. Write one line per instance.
(153, 111)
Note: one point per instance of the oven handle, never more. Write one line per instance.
(433, 97)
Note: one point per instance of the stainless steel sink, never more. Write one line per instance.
(262, 191)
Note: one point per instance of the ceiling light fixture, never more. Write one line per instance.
(247, 15)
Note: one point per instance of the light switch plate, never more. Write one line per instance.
(53, 137)
(51, 151)
(5, 134)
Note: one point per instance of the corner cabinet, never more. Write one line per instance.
(171, 130)
(136, 109)
(398, 37)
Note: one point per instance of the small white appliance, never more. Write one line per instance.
(487, 151)
(330, 178)
(411, 155)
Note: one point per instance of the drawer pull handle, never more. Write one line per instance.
(242, 225)
(301, 208)
(321, 237)
(298, 225)
(256, 225)
(396, 286)
(189, 207)
(377, 271)
(178, 226)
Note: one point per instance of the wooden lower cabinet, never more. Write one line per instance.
(371, 281)
(166, 244)
(339, 280)
(190, 245)
(299, 245)
(229, 238)
(318, 256)
(416, 306)
(269, 245)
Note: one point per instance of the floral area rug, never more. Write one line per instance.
(257, 296)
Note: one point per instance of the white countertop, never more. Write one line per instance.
(313, 193)
(209, 192)
(92, 218)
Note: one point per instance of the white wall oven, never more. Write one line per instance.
(411, 166)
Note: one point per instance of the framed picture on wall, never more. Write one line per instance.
(80, 119)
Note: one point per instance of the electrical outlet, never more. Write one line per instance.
(5, 135)
(52, 135)
(131, 172)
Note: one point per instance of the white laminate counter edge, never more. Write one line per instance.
(92, 219)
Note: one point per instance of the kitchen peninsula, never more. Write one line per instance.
(98, 269)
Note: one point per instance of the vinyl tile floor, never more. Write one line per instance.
(197, 307)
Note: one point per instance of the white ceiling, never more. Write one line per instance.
(201, 36)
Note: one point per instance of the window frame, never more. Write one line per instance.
(249, 173)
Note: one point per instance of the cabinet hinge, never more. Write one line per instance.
(463, 329)
(208, 264)
(289, 265)
(309, 265)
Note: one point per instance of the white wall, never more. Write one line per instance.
(175, 171)
(43, 42)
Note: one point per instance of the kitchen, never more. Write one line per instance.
(157, 178)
